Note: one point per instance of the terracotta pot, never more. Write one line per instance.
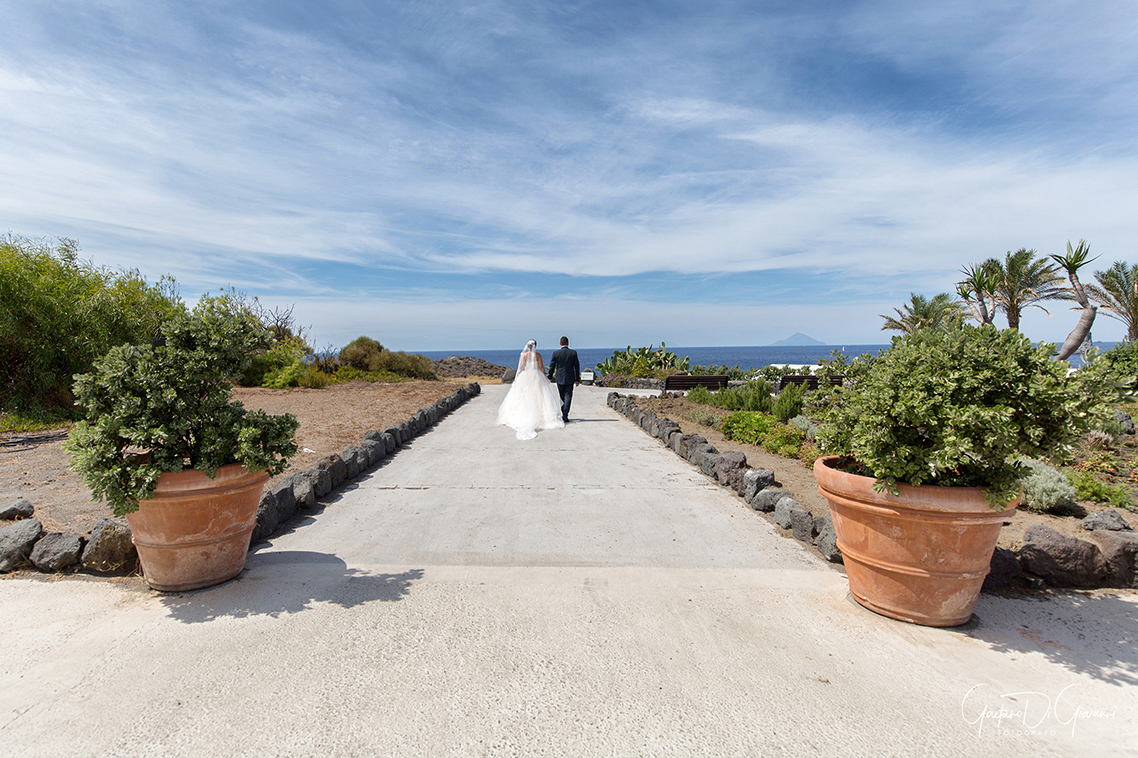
(920, 556)
(194, 532)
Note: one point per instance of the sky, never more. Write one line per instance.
(467, 175)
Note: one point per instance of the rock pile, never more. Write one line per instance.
(460, 366)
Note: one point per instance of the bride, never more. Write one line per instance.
(532, 402)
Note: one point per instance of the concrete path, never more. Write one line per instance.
(584, 593)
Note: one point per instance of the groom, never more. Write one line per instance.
(565, 369)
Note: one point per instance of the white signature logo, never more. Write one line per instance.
(1031, 712)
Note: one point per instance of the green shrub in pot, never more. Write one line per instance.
(152, 409)
(960, 407)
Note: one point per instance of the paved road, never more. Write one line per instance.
(584, 593)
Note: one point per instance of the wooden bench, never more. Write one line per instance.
(691, 381)
(811, 382)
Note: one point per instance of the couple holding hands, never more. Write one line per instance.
(531, 403)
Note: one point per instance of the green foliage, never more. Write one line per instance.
(747, 427)
(314, 378)
(360, 352)
(784, 440)
(806, 426)
(808, 453)
(1089, 488)
(284, 359)
(788, 403)
(58, 314)
(345, 374)
(733, 373)
(1120, 363)
(643, 362)
(366, 355)
(153, 409)
(1045, 488)
(285, 376)
(774, 373)
(701, 395)
(35, 419)
(959, 407)
(755, 396)
(762, 429)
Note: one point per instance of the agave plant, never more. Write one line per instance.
(643, 362)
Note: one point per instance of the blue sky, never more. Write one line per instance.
(468, 175)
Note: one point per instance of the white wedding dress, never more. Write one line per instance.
(532, 402)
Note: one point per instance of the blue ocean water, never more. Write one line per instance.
(743, 357)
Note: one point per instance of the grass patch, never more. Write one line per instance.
(38, 420)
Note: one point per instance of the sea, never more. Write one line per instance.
(742, 356)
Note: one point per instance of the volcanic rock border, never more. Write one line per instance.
(109, 549)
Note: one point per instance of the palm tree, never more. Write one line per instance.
(977, 290)
(1071, 263)
(922, 313)
(1021, 281)
(1117, 294)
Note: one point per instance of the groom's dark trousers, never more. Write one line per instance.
(565, 369)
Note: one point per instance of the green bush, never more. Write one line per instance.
(774, 374)
(806, 426)
(284, 358)
(367, 355)
(784, 440)
(788, 402)
(59, 314)
(285, 376)
(403, 364)
(755, 396)
(1121, 362)
(154, 409)
(747, 427)
(960, 407)
(345, 374)
(808, 453)
(733, 373)
(1045, 488)
(360, 352)
(701, 395)
(1089, 488)
(314, 378)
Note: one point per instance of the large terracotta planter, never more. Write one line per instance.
(194, 532)
(920, 556)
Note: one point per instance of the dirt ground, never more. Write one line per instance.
(798, 478)
(34, 466)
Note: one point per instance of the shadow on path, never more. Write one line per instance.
(1094, 633)
(287, 582)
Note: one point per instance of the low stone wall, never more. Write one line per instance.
(108, 550)
(1109, 558)
(631, 383)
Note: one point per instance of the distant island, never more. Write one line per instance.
(795, 340)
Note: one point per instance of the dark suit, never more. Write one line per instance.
(565, 369)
